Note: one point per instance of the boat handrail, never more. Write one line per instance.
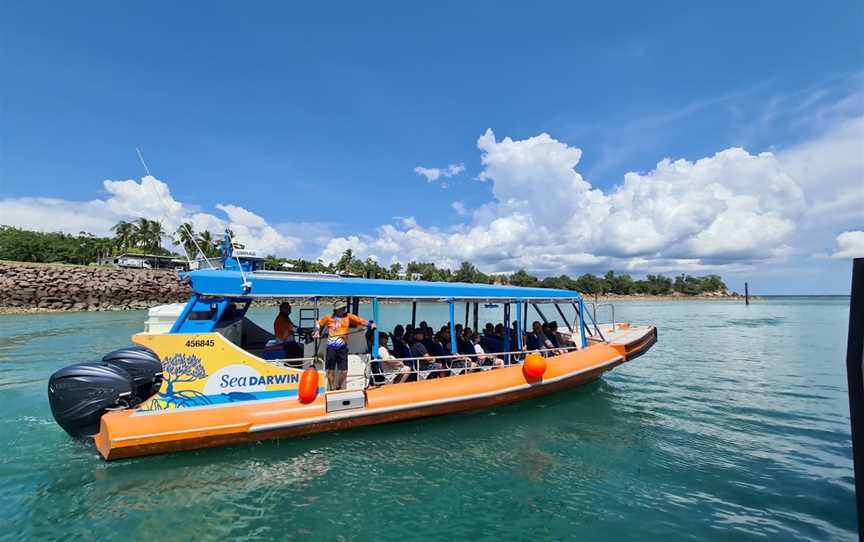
(594, 318)
(605, 304)
(423, 374)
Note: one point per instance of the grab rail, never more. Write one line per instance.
(611, 306)
(424, 374)
(594, 321)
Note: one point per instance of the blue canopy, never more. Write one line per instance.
(276, 284)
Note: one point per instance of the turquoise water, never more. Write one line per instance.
(733, 427)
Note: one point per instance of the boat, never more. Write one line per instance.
(215, 378)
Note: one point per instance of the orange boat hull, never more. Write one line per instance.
(132, 433)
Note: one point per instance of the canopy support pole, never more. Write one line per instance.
(542, 316)
(185, 314)
(507, 333)
(519, 325)
(467, 312)
(580, 310)
(375, 331)
(561, 313)
(476, 316)
(414, 314)
(452, 304)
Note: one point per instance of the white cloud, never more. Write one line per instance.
(433, 174)
(830, 168)
(459, 207)
(850, 244)
(150, 198)
(725, 211)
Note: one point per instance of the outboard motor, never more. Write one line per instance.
(79, 395)
(143, 365)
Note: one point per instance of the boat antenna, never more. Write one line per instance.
(246, 284)
(182, 224)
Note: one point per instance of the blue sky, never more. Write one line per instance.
(314, 118)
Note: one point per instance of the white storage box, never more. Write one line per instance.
(161, 318)
(345, 400)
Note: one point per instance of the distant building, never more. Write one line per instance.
(410, 276)
(144, 261)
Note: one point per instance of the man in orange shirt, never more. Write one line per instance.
(336, 360)
(283, 329)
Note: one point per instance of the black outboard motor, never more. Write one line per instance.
(144, 366)
(81, 393)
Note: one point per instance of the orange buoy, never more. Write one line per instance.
(534, 366)
(308, 389)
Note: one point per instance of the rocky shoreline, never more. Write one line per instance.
(32, 287)
(28, 287)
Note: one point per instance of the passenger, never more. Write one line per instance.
(283, 330)
(425, 361)
(550, 334)
(499, 331)
(463, 342)
(484, 360)
(409, 334)
(541, 337)
(456, 364)
(395, 371)
(514, 333)
(489, 330)
(564, 339)
(336, 360)
(433, 346)
(400, 347)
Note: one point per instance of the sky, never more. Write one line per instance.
(559, 137)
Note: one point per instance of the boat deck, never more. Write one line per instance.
(631, 340)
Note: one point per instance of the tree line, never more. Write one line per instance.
(145, 236)
(587, 283)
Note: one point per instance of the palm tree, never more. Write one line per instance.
(208, 243)
(185, 235)
(346, 260)
(155, 233)
(141, 227)
(124, 234)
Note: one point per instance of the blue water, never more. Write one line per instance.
(733, 427)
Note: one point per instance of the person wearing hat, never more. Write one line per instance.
(336, 360)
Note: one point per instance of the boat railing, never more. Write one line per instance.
(414, 365)
(469, 363)
(611, 309)
(592, 316)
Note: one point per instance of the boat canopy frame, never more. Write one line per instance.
(221, 283)
(214, 290)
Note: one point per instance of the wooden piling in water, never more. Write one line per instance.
(746, 294)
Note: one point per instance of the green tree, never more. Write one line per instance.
(590, 284)
(344, 263)
(522, 278)
(124, 235)
(185, 236)
(209, 245)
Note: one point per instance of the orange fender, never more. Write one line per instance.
(534, 366)
(308, 389)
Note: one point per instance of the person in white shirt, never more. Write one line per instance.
(484, 360)
(394, 370)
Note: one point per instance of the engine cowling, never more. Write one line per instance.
(143, 365)
(80, 394)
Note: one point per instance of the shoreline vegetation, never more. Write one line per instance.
(52, 272)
